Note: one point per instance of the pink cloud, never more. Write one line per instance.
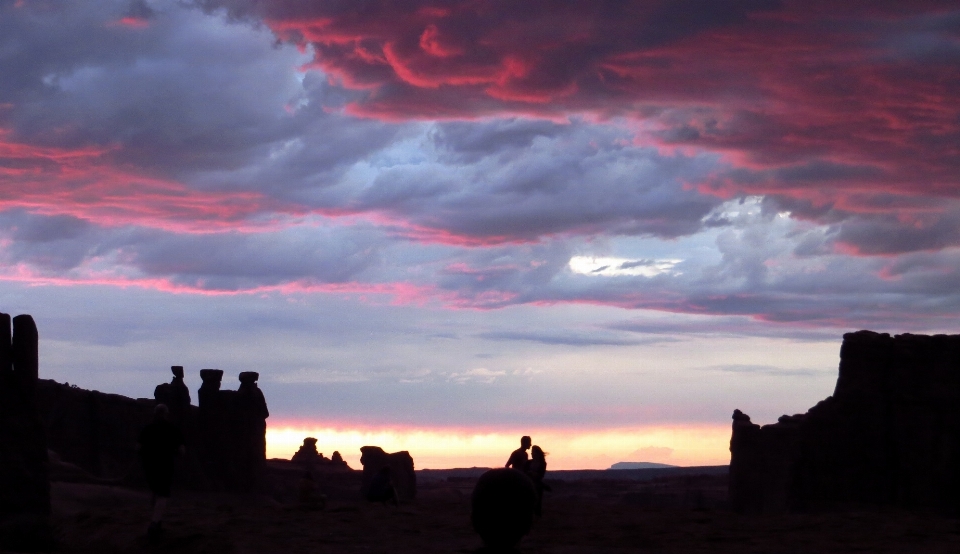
(81, 183)
(831, 106)
(396, 293)
(131, 22)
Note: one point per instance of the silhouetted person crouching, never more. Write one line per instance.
(159, 444)
(518, 459)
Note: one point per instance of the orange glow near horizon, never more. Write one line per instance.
(441, 448)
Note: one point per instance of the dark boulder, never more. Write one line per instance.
(373, 459)
(502, 507)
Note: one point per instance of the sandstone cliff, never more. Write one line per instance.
(889, 435)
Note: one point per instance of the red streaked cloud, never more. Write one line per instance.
(372, 293)
(79, 183)
(634, 121)
(830, 107)
(131, 22)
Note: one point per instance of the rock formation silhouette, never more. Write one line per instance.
(93, 430)
(373, 459)
(211, 419)
(175, 394)
(233, 426)
(309, 457)
(24, 482)
(337, 459)
(502, 507)
(308, 454)
(225, 435)
(889, 435)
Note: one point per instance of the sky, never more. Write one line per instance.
(438, 225)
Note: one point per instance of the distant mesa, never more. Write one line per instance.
(639, 465)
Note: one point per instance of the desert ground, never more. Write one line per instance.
(586, 512)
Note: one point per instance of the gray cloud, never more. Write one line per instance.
(65, 247)
(770, 370)
(181, 95)
(580, 180)
(569, 339)
(471, 213)
(472, 141)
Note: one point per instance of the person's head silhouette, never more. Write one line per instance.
(537, 453)
(525, 442)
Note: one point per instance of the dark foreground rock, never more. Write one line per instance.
(579, 516)
(24, 481)
(373, 459)
(501, 507)
(97, 432)
(889, 435)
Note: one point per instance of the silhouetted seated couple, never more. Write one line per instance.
(535, 468)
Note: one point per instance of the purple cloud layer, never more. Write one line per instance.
(793, 168)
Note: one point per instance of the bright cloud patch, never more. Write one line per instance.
(477, 375)
(615, 267)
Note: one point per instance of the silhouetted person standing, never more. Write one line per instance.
(309, 498)
(518, 459)
(536, 470)
(159, 444)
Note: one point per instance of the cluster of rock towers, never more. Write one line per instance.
(97, 432)
(231, 429)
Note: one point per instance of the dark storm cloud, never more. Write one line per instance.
(507, 50)
(581, 180)
(888, 234)
(470, 142)
(196, 108)
(184, 150)
(860, 102)
(182, 93)
(495, 182)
